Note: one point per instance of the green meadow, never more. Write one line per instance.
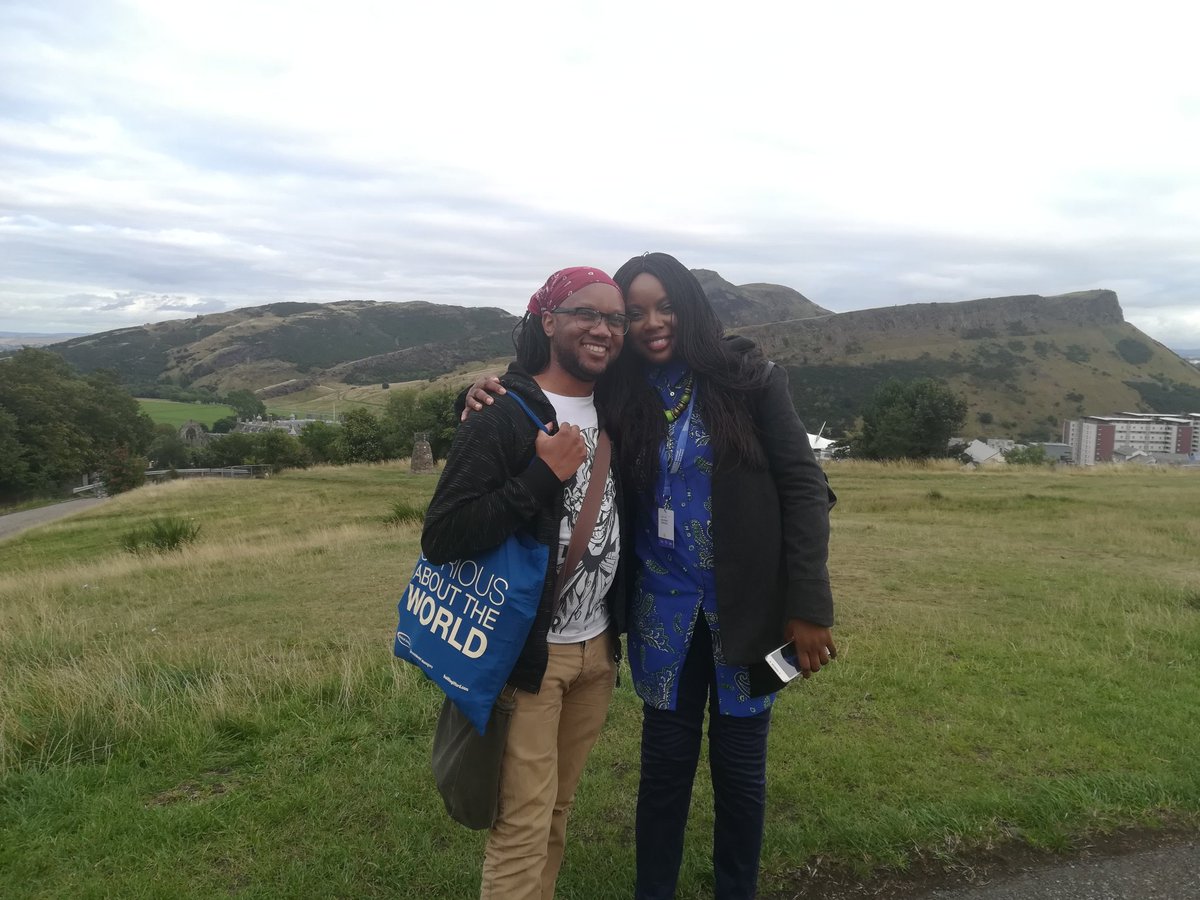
(1019, 662)
(172, 412)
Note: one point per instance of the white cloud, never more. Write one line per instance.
(862, 154)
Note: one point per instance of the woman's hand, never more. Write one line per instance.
(480, 393)
(813, 643)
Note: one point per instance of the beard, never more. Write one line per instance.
(573, 367)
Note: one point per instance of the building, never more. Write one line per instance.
(985, 454)
(1095, 439)
(292, 426)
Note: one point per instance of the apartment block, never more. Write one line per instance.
(1093, 439)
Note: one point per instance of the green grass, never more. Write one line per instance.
(1019, 658)
(172, 412)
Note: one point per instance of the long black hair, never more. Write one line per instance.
(531, 343)
(724, 376)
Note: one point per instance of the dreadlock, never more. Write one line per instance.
(723, 378)
(532, 344)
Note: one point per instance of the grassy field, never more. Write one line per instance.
(172, 412)
(1020, 661)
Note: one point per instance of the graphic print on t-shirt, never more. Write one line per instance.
(581, 613)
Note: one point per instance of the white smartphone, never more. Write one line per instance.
(783, 662)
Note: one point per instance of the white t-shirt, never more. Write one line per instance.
(581, 613)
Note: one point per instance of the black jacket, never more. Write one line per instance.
(493, 483)
(770, 530)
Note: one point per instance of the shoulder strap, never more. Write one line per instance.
(529, 412)
(586, 523)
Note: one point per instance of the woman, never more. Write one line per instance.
(730, 536)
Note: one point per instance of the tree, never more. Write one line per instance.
(167, 450)
(13, 468)
(64, 424)
(279, 450)
(408, 412)
(123, 471)
(247, 405)
(224, 425)
(909, 420)
(362, 437)
(323, 442)
(231, 450)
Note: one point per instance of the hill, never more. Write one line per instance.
(286, 348)
(755, 304)
(1023, 363)
(295, 343)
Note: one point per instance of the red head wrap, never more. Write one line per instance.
(562, 284)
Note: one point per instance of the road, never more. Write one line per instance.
(14, 523)
(1142, 863)
(1163, 873)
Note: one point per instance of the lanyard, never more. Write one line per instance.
(680, 449)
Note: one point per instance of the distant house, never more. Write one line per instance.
(292, 426)
(1137, 456)
(981, 454)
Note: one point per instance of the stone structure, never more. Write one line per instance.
(422, 454)
(194, 433)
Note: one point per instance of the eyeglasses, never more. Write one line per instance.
(618, 322)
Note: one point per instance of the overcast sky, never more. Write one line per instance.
(161, 159)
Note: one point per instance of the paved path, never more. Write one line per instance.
(14, 523)
(1163, 873)
(1129, 864)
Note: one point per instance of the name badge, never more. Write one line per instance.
(666, 527)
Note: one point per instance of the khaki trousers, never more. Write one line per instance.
(549, 739)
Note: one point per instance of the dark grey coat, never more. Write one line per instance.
(771, 532)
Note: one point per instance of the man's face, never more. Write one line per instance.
(580, 348)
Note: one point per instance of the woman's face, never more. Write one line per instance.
(651, 320)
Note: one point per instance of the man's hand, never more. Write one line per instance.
(813, 643)
(564, 451)
(480, 393)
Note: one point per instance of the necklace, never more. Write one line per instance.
(685, 398)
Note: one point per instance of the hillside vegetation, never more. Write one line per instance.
(1024, 364)
(1020, 658)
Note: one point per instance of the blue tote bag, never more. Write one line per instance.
(463, 623)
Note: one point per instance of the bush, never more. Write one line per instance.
(160, 535)
(1133, 351)
(405, 513)
(1033, 455)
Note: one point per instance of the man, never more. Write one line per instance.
(501, 475)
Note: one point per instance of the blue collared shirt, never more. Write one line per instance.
(674, 585)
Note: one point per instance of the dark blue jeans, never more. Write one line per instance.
(737, 756)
